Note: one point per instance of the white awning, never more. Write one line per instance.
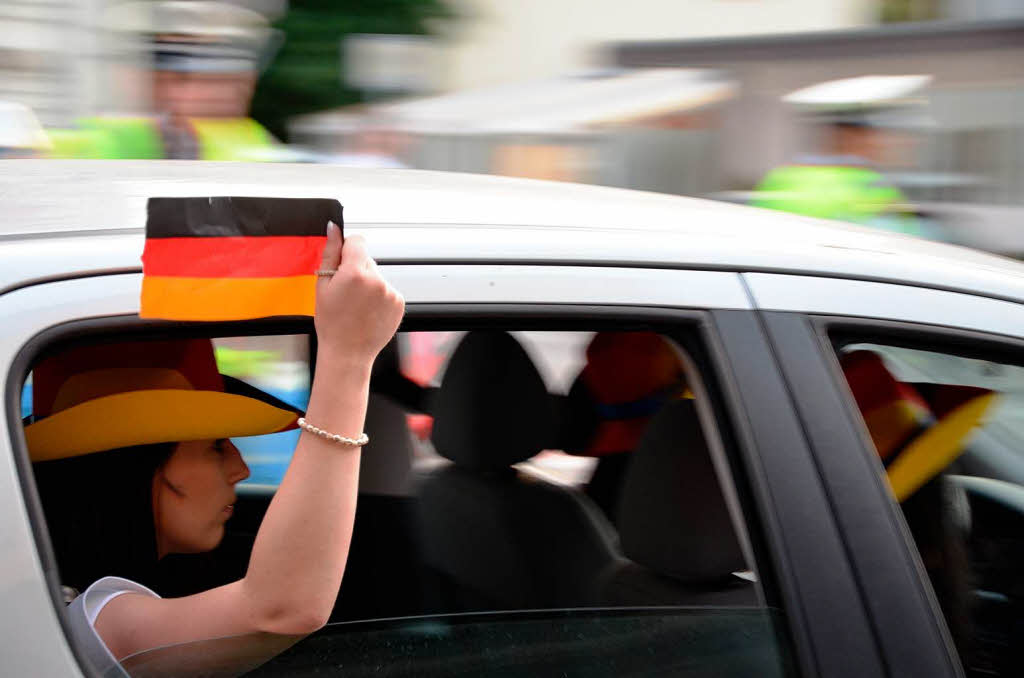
(566, 105)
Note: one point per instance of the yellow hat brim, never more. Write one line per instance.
(151, 416)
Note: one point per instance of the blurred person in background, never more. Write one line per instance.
(857, 120)
(206, 58)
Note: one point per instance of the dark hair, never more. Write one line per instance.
(99, 513)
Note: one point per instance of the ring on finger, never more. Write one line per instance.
(326, 272)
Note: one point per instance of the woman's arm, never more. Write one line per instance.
(299, 556)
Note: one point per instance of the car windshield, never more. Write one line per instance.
(594, 643)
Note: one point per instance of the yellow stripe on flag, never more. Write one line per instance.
(173, 298)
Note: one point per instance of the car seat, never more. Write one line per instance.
(383, 574)
(674, 525)
(494, 537)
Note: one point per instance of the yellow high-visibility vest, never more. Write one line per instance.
(232, 139)
(139, 138)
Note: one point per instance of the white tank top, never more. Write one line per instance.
(82, 613)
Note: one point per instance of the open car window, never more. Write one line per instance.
(530, 501)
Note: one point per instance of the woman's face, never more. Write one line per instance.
(194, 495)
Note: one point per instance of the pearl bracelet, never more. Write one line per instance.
(342, 440)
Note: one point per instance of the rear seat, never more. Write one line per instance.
(674, 525)
(383, 576)
(493, 537)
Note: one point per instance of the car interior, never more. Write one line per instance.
(472, 531)
(503, 477)
(489, 514)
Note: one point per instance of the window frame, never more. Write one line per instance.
(790, 577)
(814, 568)
(77, 332)
(886, 561)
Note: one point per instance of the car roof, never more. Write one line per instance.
(64, 217)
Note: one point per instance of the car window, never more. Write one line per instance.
(278, 365)
(602, 547)
(949, 431)
(530, 502)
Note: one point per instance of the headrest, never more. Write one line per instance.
(672, 475)
(492, 409)
(386, 466)
(627, 378)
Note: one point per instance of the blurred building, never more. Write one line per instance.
(707, 117)
(617, 127)
(497, 41)
(48, 51)
(527, 91)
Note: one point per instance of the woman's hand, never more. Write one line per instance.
(357, 311)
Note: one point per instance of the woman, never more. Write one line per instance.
(299, 554)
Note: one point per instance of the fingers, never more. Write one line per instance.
(354, 256)
(331, 256)
(357, 311)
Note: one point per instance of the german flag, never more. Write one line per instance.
(229, 258)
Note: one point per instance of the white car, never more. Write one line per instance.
(577, 503)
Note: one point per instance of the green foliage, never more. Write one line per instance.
(305, 76)
(896, 11)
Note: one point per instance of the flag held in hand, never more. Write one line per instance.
(229, 258)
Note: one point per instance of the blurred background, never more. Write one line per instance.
(906, 115)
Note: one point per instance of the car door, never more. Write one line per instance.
(927, 339)
(817, 616)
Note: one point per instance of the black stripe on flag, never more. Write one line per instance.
(227, 216)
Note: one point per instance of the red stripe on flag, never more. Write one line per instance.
(233, 257)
